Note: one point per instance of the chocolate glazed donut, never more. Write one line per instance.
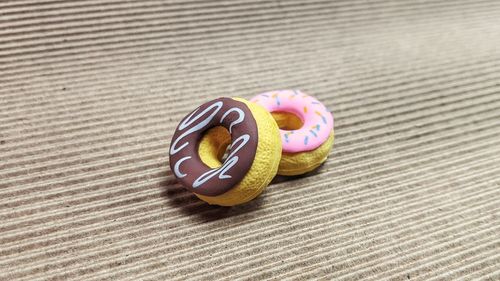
(185, 161)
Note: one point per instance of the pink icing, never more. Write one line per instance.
(318, 121)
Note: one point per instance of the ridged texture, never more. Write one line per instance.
(91, 91)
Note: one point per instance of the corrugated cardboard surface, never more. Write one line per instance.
(91, 92)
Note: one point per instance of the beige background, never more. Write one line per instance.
(91, 92)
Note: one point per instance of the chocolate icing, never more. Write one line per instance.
(185, 161)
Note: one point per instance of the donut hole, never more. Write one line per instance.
(214, 146)
(287, 121)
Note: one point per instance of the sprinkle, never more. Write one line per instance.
(317, 127)
(278, 101)
(317, 112)
(315, 102)
(312, 132)
(324, 119)
(274, 95)
(264, 95)
(295, 92)
(286, 137)
(305, 140)
(305, 109)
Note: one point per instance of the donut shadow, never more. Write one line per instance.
(187, 203)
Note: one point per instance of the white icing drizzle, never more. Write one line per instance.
(176, 167)
(228, 164)
(189, 120)
(236, 145)
(240, 119)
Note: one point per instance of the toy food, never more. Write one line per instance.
(200, 141)
(306, 129)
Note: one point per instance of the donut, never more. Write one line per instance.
(306, 129)
(200, 142)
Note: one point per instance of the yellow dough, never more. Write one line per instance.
(292, 164)
(265, 164)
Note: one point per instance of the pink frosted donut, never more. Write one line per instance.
(317, 120)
